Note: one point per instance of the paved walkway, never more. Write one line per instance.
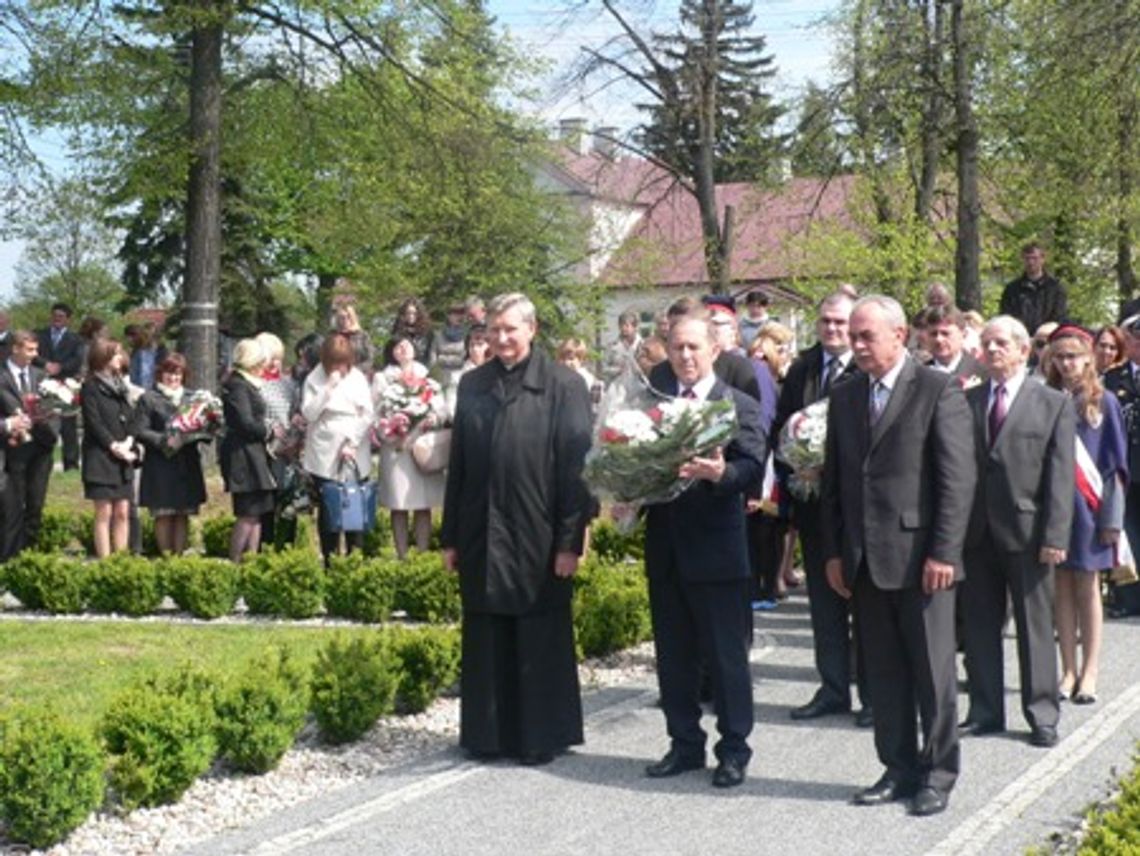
(597, 801)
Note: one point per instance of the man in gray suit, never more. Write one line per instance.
(1019, 531)
(897, 484)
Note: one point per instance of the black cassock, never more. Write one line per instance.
(515, 498)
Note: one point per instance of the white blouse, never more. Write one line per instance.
(336, 415)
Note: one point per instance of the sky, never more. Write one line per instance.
(544, 29)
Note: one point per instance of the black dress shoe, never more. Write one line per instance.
(864, 718)
(1044, 736)
(818, 707)
(729, 773)
(885, 790)
(673, 764)
(928, 801)
(536, 759)
(970, 728)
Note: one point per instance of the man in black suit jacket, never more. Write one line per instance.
(61, 357)
(897, 486)
(945, 334)
(1019, 531)
(696, 557)
(817, 370)
(29, 463)
(1124, 382)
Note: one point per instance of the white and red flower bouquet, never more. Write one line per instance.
(199, 417)
(404, 404)
(54, 397)
(803, 442)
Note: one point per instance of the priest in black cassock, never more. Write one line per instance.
(514, 514)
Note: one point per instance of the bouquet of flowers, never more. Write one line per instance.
(405, 401)
(55, 397)
(199, 417)
(803, 441)
(642, 438)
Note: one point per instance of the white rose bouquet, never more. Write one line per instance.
(55, 397)
(803, 441)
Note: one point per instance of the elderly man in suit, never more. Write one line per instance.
(61, 357)
(897, 486)
(734, 369)
(1019, 531)
(696, 557)
(816, 371)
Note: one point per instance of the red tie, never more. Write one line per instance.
(997, 412)
(688, 393)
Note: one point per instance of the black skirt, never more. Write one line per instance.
(108, 491)
(253, 503)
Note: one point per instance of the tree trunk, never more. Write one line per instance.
(705, 173)
(203, 202)
(933, 29)
(966, 255)
(861, 109)
(1125, 133)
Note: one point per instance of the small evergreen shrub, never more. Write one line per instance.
(260, 711)
(612, 546)
(51, 777)
(290, 583)
(425, 589)
(206, 588)
(50, 581)
(84, 529)
(379, 537)
(58, 531)
(360, 588)
(353, 685)
(428, 663)
(216, 533)
(611, 608)
(162, 736)
(125, 584)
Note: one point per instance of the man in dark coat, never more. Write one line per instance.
(29, 463)
(1123, 381)
(696, 556)
(897, 487)
(816, 372)
(514, 515)
(1034, 297)
(61, 357)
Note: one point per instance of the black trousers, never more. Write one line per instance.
(766, 549)
(695, 625)
(28, 476)
(909, 638)
(69, 438)
(519, 685)
(835, 625)
(990, 572)
(1127, 598)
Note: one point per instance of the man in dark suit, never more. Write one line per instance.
(696, 557)
(1019, 531)
(61, 357)
(29, 463)
(817, 370)
(1124, 382)
(945, 333)
(897, 486)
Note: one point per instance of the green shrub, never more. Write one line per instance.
(206, 588)
(425, 589)
(260, 711)
(290, 583)
(611, 608)
(84, 524)
(1115, 831)
(125, 584)
(58, 531)
(612, 546)
(353, 685)
(51, 777)
(216, 533)
(50, 581)
(360, 588)
(428, 663)
(379, 537)
(161, 734)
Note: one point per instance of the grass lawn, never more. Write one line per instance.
(78, 666)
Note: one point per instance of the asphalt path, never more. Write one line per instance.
(596, 799)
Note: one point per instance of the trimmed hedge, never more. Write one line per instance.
(204, 587)
(260, 711)
(360, 588)
(425, 589)
(290, 583)
(612, 546)
(611, 608)
(125, 584)
(353, 685)
(216, 533)
(428, 664)
(50, 581)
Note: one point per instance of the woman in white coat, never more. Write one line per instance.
(337, 406)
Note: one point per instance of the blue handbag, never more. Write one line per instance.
(349, 504)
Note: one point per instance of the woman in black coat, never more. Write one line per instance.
(513, 520)
(109, 453)
(245, 459)
(172, 486)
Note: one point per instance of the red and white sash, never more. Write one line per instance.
(1091, 487)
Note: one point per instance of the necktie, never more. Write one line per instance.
(878, 400)
(687, 392)
(829, 373)
(997, 412)
(23, 381)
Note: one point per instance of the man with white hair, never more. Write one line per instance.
(897, 485)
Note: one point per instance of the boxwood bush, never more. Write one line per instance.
(204, 587)
(289, 584)
(59, 530)
(428, 660)
(425, 589)
(125, 584)
(612, 546)
(353, 685)
(51, 777)
(260, 710)
(611, 608)
(361, 588)
(85, 533)
(216, 533)
(50, 581)
(161, 734)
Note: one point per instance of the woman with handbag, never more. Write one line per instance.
(404, 486)
(336, 404)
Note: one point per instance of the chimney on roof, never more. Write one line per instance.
(572, 133)
(605, 141)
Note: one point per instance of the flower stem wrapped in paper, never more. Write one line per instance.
(803, 441)
(199, 417)
(642, 438)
